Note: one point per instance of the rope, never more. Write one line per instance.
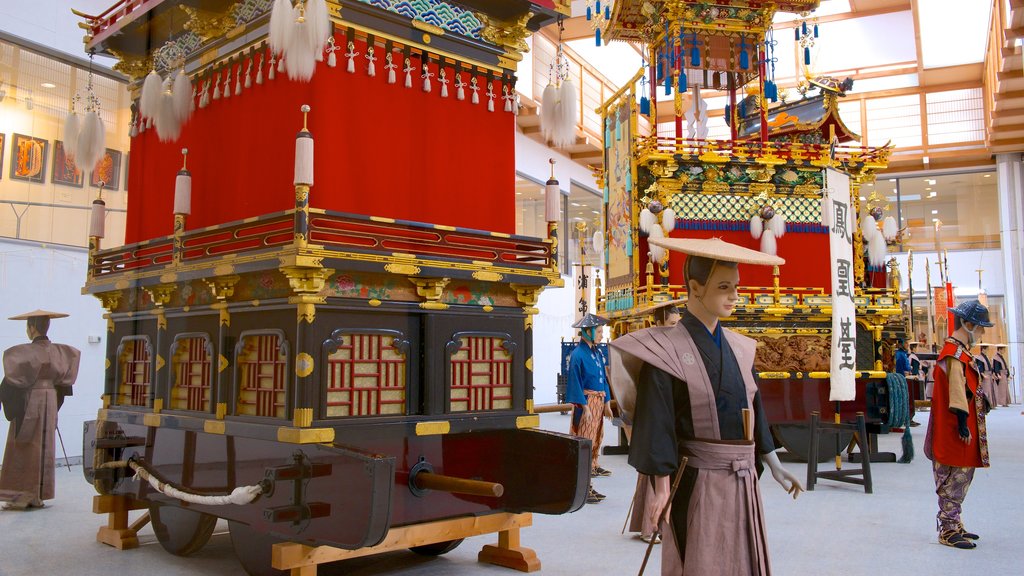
(899, 412)
(239, 496)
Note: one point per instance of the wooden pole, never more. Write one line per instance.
(430, 481)
(664, 513)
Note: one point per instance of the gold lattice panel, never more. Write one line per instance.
(481, 375)
(366, 375)
(741, 208)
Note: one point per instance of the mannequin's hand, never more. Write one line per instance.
(787, 480)
(662, 488)
(608, 410)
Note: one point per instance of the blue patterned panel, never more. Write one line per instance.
(434, 12)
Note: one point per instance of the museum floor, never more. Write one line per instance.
(835, 530)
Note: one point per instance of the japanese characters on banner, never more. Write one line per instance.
(844, 321)
(582, 279)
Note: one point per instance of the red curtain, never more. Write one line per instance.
(381, 150)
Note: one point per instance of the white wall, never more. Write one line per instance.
(34, 276)
(963, 266)
(552, 325)
(50, 22)
(532, 160)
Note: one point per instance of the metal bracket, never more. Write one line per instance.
(299, 473)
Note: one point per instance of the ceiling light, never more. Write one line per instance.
(48, 85)
(986, 175)
(927, 189)
(576, 204)
(892, 179)
(935, 219)
(932, 194)
(862, 198)
(519, 193)
(935, 211)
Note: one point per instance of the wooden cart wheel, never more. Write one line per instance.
(437, 548)
(181, 531)
(253, 549)
(796, 439)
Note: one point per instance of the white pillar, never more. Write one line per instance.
(1010, 173)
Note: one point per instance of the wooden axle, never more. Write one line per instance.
(546, 408)
(431, 481)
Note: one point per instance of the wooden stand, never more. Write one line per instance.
(117, 532)
(303, 560)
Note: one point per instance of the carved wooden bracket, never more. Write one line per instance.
(430, 289)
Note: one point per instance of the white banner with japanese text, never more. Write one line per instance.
(582, 279)
(844, 320)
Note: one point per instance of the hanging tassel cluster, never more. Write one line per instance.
(558, 102)
(84, 136)
(167, 103)
(298, 34)
(768, 226)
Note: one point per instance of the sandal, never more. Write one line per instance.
(953, 539)
(657, 539)
(969, 535)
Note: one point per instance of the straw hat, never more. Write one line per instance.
(37, 314)
(1001, 346)
(717, 249)
(655, 305)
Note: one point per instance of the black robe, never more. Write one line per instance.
(663, 417)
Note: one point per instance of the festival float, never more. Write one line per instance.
(320, 325)
(786, 181)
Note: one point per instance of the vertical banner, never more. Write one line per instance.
(582, 280)
(844, 321)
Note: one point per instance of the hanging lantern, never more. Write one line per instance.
(304, 152)
(552, 197)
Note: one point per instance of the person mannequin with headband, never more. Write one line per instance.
(587, 390)
(957, 441)
(37, 377)
(696, 397)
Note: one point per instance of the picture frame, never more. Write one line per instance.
(64, 171)
(28, 158)
(107, 170)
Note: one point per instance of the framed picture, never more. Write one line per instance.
(64, 170)
(28, 159)
(108, 170)
(3, 140)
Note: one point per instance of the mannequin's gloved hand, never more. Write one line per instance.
(961, 426)
(785, 479)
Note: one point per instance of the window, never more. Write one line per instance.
(262, 374)
(480, 372)
(366, 373)
(191, 372)
(584, 216)
(134, 369)
(530, 214)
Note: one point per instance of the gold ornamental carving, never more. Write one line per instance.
(305, 280)
(527, 295)
(134, 67)
(401, 268)
(305, 306)
(761, 188)
(509, 34)
(109, 300)
(223, 287)
(161, 293)
(209, 25)
(431, 289)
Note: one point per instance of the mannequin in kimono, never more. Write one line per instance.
(693, 382)
(1000, 373)
(37, 377)
(988, 381)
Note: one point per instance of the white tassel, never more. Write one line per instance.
(216, 86)
(877, 250)
(490, 97)
(192, 101)
(460, 88)
(97, 218)
(238, 85)
(390, 67)
(777, 224)
(868, 227)
(426, 77)
(168, 127)
(204, 98)
(281, 28)
(657, 252)
(371, 67)
(332, 60)
(756, 226)
(476, 90)
(91, 142)
(248, 75)
(280, 66)
(548, 104)
(890, 229)
(301, 52)
(182, 96)
(647, 220)
(408, 73)
(507, 98)
(227, 82)
(565, 115)
(319, 22)
(71, 128)
(133, 131)
(149, 102)
(768, 244)
(826, 212)
(259, 72)
(668, 220)
(442, 79)
(598, 242)
(351, 55)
